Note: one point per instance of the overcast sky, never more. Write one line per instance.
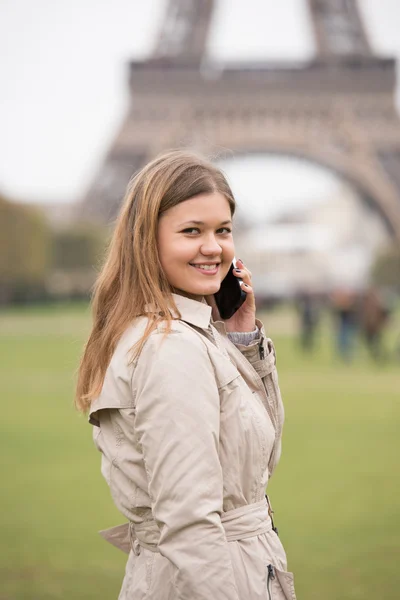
(63, 78)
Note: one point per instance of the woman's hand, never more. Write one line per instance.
(244, 319)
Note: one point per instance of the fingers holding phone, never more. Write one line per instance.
(244, 275)
(234, 302)
(245, 317)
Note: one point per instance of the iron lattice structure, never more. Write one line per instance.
(336, 110)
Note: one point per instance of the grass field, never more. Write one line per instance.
(335, 492)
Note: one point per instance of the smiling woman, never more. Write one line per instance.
(185, 406)
(195, 244)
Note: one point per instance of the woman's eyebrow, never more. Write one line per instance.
(202, 223)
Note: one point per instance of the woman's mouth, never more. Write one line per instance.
(206, 268)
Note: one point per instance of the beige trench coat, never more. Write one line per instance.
(190, 434)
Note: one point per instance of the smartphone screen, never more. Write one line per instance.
(230, 296)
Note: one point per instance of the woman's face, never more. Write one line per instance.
(195, 244)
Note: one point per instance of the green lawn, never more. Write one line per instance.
(335, 492)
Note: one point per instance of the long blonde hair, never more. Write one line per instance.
(132, 276)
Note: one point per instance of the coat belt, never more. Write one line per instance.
(240, 523)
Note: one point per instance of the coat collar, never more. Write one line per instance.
(191, 311)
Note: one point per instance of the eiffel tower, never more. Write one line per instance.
(337, 110)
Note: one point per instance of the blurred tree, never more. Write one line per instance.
(24, 252)
(75, 258)
(386, 269)
(77, 247)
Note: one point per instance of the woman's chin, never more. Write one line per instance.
(201, 290)
(210, 289)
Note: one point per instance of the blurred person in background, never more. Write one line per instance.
(345, 307)
(374, 317)
(308, 309)
(185, 406)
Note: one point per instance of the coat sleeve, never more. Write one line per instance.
(261, 355)
(177, 423)
(260, 352)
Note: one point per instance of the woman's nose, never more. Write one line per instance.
(211, 247)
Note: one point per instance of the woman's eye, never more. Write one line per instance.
(191, 230)
(224, 230)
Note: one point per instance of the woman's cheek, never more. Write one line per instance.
(229, 251)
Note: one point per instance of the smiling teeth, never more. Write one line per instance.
(207, 267)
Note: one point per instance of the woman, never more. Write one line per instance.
(186, 410)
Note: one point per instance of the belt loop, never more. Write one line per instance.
(271, 512)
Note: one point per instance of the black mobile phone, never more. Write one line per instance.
(230, 295)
